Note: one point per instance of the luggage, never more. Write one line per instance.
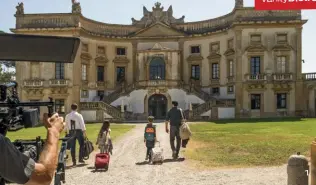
(157, 154)
(87, 149)
(102, 161)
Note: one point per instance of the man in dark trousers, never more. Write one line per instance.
(76, 127)
(174, 116)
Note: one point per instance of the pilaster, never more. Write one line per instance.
(135, 61)
(181, 63)
(299, 88)
(239, 76)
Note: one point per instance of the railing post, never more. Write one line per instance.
(313, 162)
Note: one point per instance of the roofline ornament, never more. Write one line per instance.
(157, 15)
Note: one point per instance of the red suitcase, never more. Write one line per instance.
(102, 161)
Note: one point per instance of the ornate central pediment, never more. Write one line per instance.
(157, 15)
(159, 30)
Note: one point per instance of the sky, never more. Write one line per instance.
(121, 12)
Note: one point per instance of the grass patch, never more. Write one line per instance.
(243, 144)
(92, 132)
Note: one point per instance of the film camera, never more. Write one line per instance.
(15, 114)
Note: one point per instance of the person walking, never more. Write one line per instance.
(76, 128)
(175, 117)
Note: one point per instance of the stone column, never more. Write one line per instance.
(135, 61)
(238, 73)
(181, 63)
(299, 86)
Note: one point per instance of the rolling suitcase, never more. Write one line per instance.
(102, 161)
(157, 154)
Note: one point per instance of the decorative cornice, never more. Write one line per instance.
(229, 52)
(282, 87)
(86, 56)
(214, 55)
(282, 47)
(256, 48)
(121, 60)
(256, 87)
(101, 59)
(195, 58)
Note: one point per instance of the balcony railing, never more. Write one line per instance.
(58, 82)
(256, 77)
(159, 83)
(282, 77)
(309, 76)
(33, 83)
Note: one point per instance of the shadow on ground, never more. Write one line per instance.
(164, 161)
(93, 170)
(77, 166)
(257, 120)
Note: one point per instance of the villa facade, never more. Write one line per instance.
(246, 63)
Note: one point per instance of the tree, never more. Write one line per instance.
(6, 75)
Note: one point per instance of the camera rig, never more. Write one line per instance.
(15, 116)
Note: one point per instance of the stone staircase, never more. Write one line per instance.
(123, 89)
(210, 101)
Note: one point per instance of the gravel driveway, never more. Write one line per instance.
(127, 168)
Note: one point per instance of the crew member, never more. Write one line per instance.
(76, 127)
(18, 168)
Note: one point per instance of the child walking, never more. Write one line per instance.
(104, 141)
(150, 137)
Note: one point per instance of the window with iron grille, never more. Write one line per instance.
(255, 101)
(255, 65)
(100, 74)
(195, 72)
(59, 70)
(215, 71)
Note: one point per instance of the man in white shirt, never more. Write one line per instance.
(76, 127)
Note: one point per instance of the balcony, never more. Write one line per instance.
(309, 76)
(256, 78)
(33, 83)
(231, 79)
(58, 82)
(159, 83)
(282, 77)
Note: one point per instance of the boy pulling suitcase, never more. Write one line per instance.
(150, 137)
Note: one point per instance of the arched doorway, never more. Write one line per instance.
(157, 70)
(157, 106)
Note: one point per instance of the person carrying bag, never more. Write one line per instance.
(87, 149)
(185, 132)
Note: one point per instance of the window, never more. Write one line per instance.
(84, 72)
(195, 72)
(215, 71)
(99, 93)
(255, 101)
(121, 51)
(59, 71)
(215, 90)
(60, 106)
(230, 68)
(84, 94)
(101, 50)
(230, 89)
(195, 49)
(281, 101)
(281, 64)
(120, 74)
(100, 74)
(255, 65)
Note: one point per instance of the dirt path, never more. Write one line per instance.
(126, 168)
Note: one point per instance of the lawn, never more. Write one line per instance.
(253, 143)
(92, 132)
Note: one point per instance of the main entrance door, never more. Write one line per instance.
(157, 106)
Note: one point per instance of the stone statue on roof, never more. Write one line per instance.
(20, 9)
(76, 8)
(157, 15)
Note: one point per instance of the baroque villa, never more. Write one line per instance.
(246, 63)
